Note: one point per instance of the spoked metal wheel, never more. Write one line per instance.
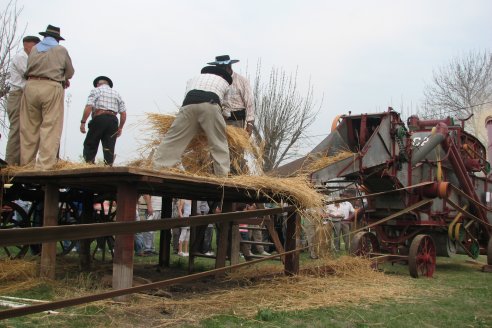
(14, 217)
(363, 244)
(422, 257)
(67, 215)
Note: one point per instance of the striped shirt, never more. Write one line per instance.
(241, 96)
(104, 97)
(211, 83)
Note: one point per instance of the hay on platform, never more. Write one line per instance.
(315, 162)
(196, 158)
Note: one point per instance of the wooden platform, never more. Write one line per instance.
(126, 184)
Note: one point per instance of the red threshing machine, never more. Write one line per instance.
(427, 187)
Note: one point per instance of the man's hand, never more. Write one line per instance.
(249, 127)
(118, 133)
(67, 84)
(82, 127)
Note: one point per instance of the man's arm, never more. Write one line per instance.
(85, 116)
(122, 123)
(148, 200)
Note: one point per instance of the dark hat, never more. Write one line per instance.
(52, 31)
(217, 71)
(31, 38)
(223, 60)
(105, 78)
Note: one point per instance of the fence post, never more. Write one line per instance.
(50, 218)
(123, 248)
(291, 266)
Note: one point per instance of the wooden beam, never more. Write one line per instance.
(235, 243)
(86, 217)
(291, 266)
(165, 240)
(50, 218)
(123, 249)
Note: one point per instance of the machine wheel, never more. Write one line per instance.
(14, 217)
(489, 252)
(363, 243)
(422, 257)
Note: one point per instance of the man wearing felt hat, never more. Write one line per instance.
(104, 104)
(17, 82)
(49, 70)
(240, 98)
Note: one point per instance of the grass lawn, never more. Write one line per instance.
(459, 295)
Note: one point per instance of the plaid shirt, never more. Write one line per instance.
(241, 97)
(104, 97)
(211, 83)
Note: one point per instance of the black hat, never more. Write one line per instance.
(105, 78)
(223, 60)
(217, 71)
(31, 38)
(52, 31)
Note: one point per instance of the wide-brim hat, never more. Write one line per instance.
(223, 60)
(217, 71)
(105, 78)
(52, 31)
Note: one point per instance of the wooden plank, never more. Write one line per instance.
(50, 218)
(487, 268)
(193, 240)
(86, 217)
(276, 240)
(123, 248)
(291, 266)
(165, 240)
(235, 243)
(223, 240)
(10, 237)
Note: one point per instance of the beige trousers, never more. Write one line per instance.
(12, 153)
(191, 120)
(41, 121)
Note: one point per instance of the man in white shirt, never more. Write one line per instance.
(201, 111)
(340, 215)
(17, 82)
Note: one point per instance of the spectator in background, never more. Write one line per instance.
(338, 212)
(184, 211)
(17, 82)
(206, 245)
(255, 233)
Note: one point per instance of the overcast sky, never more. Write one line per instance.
(361, 56)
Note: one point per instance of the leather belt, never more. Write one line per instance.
(42, 79)
(100, 111)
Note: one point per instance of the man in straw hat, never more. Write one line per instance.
(104, 104)
(201, 110)
(240, 98)
(49, 70)
(17, 82)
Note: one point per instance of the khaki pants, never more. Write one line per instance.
(41, 121)
(12, 153)
(191, 120)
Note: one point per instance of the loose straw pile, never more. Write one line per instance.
(350, 281)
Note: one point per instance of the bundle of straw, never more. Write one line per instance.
(196, 158)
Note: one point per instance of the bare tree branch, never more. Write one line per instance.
(460, 88)
(282, 114)
(9, 42)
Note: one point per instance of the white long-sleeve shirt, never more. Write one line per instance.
(18, 67)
